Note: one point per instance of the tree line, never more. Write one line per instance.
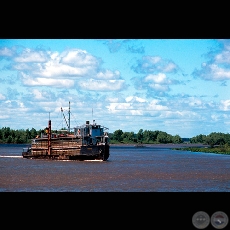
(144, 137)
(22, 136)
(213, 139)
(155, 137)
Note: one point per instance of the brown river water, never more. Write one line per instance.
(155, 168)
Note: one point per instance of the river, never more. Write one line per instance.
(156, 168)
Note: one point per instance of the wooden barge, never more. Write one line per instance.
(87, 142)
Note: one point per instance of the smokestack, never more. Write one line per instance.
(49, 137)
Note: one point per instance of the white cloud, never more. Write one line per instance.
(185, 115)
(152, 60)
(195, 102)
(2, 97)
(170, 67)
(101, 85)
(107, 74)
(59, 83)
(154, 105)
(136, 112)
(77, 57)
(215, 117)
(157, 78)
(218, 67)
(38, 94)
(4, 116)
(223, 57)
(151, 64)
(117, 107)
(159, 87)
(6, 52)
(112, 99)
(29, 55)
(134, 99)
(225, 105)
(218, 73)
(52, 69)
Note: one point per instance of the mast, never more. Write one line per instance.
(69, 116)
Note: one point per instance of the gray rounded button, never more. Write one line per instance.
(219, 220)
(201, 220)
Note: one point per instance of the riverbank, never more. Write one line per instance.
(168, 145)
(183, 146)
(216, 150)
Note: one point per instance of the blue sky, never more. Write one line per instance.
(179, 86)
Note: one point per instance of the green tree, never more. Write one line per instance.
(33, 133)
(162, 137)
(177, 139)
(210, 140)
(9, 139)
(117, 135)
(147, 136)
(140, 135)
(131, 136)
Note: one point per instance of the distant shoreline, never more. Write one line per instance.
(168, 145)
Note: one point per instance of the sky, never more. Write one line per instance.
(178, 86)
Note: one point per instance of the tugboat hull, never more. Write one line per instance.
(82, 153)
